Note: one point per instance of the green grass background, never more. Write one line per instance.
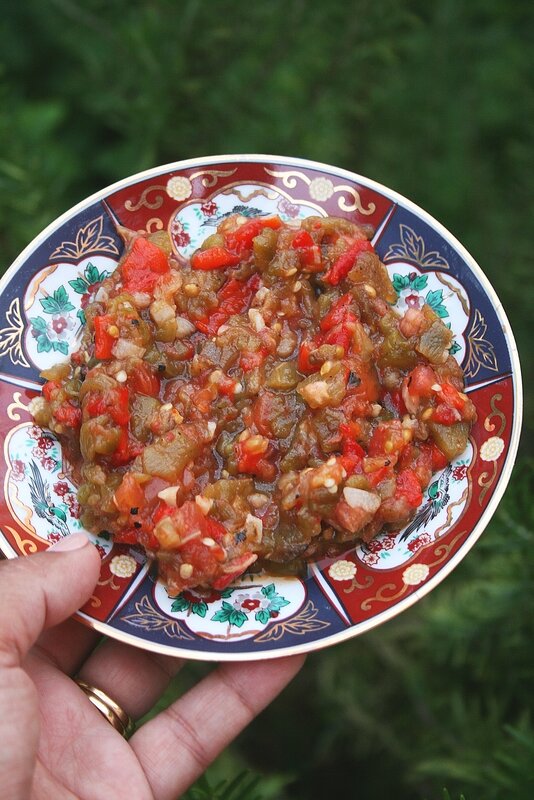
(434, 99)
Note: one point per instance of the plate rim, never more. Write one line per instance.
(515, 374)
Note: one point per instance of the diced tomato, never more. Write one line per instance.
(377, 476)
(49, 388)
(162, 510)
(129, 495)
(408, 486)
(304, 364)
(451, 396)
(420, 381)
(126, 450)
(341, 268)
(302, 239)
(250, 361)
(309, 253)
(342, 334)
(214, 258)
(439, 459)
(234, 297)
(253, 463)
(142, 266)
(242, 238)
(337, 313)
(144, 380)
(445, 415)
(387, 439)
(104, 341)
(126, 536)
(352, 452)
(115, 403)
(68, 415)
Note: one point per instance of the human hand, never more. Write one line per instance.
(55, 744)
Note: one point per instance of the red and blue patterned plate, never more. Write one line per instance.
(42, 301)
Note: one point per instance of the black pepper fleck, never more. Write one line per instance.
(240, 536)
(137, 525)
(134, 510)
(161, 367)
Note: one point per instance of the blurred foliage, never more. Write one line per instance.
(435, 100)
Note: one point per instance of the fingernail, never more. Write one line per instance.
(73, 542)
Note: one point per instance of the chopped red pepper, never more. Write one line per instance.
(234, 297)
(142, 266)
(302, 239)
(341, 268)
(445, 415)
(249, 360)
(129, 495)
(104, 341)
(68, 415)
(214, 258)
(126, 450)
(144, 380)
(352, 452)
(242, 238)
(451, 396)
(115, 403)
(49, 388)
(337, 313)
(408, 486)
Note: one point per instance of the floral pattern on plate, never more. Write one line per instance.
(241, 611)
(54, 305)
(194, 222)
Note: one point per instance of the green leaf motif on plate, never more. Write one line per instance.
(57, 303)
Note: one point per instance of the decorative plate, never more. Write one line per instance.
(42, 301)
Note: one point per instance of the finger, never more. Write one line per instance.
(134, 678)
(43, 590)
(175, 747)
(37, 592)
(66, 646)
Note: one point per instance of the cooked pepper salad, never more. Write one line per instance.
(262, 404)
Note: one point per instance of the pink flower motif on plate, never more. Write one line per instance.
(209, 208)
(18, 470)
(287, 208)
(459, 472)
(44, 443)
(74, 506)
(54, 537)
(419, 542)
(413, 301)
(48, 463)
(61, 488)
(370, 559)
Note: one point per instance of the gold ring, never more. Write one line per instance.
(109, 709)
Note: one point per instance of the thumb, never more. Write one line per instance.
(42, 590)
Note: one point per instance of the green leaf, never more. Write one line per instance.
(269, 591)
(278, 602)
(400, 282)
(435, 298)
(227, 592)
(57, 303)
(420, 282)
(81, 316)
(200, 609)
(222, 615)
(454, 348)
(237, 618)
(44, 345)
(262, 616)
(180, 604)
(38, 323)
(79, 286)
(92, 274)
(61, 347)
